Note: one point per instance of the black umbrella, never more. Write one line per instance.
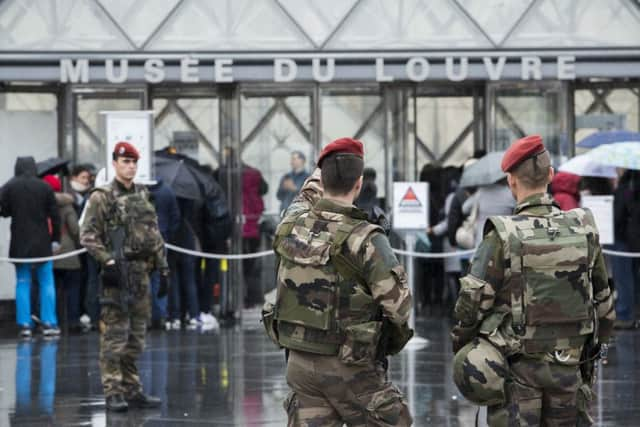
(52, 166)
(183, 175)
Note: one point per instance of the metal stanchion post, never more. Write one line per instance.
(417, 342)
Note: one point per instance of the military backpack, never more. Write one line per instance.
(548, 267)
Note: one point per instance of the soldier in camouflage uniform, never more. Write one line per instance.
(119, 228)
(534, 307)
(342, 302)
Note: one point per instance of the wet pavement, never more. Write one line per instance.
(236, 377)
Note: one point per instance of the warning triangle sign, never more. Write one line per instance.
(410, 199)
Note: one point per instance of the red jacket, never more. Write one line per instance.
(565, 188)
(253, 187)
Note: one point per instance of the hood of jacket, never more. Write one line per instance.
(25, 166)
(564, 182)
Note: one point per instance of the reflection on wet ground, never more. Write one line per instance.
(236, 377)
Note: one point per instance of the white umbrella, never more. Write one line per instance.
(585, 165)
(483, 172)
(621, 154)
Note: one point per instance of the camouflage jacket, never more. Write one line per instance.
(492, 316)
(369, 251)
(98, 217)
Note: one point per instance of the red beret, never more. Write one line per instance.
(342, 145)
(521, 150)
(125, 149)
(53, 182)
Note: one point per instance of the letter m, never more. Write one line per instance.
(74, 73)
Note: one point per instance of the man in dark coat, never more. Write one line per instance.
(35, 232)
(164, 200)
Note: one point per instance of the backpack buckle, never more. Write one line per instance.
(518, 329)
(553, 232)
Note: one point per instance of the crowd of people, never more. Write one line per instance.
(47, 209)
(45, 212)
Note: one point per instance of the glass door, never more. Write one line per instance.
(518, 109)
(88, 102)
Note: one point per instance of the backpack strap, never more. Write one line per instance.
(508, 232)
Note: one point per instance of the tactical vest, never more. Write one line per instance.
(320, 291)
(135, 213)
(548, 267)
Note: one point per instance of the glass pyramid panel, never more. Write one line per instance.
(230, 25)
(58, 25)
(409, 24)
(496, 17)
(318, 18)
(578, 23)
(139, 18)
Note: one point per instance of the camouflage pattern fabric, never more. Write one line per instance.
(480, 372)
(338, 377)
(125, 310)
(485, 304)
(122, 337)
(541, 394)
(326, 393)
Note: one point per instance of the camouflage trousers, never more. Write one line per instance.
(541, 393)
(122, 335)
(326, 392)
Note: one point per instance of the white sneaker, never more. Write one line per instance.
(176, 324)
(85, 320)
(194, 323)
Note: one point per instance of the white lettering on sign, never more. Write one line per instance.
(531, 68)
(380, 76)
(323, 69)
(566, 67)
(223, 70)
(284, 70)
(462, 71)
(494, 71)
(417, 69)
(74, 73)
(110, 73)
(189, 70)
(330, 70)
(154, 70)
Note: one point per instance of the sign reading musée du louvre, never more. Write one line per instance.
(322, 70)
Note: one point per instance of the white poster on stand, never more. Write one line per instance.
(410, 205)
(136, 128)
(602, 209)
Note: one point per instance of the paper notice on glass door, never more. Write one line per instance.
(602, 209)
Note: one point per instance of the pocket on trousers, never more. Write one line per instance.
(360, 344)
(386, 407)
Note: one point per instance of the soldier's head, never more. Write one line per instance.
(528, 167)
(342, 163)
(125, 162)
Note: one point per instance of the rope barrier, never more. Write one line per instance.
(621, 254)
(436, 255)
(44, 259)
(432, 255)
(218, 256)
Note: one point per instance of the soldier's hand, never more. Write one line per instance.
(163, 289)
(111, 275)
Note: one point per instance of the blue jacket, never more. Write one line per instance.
(286, 196)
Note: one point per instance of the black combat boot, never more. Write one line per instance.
(116, 403)
(141, 400)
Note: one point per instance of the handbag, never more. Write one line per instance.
(466, 233)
